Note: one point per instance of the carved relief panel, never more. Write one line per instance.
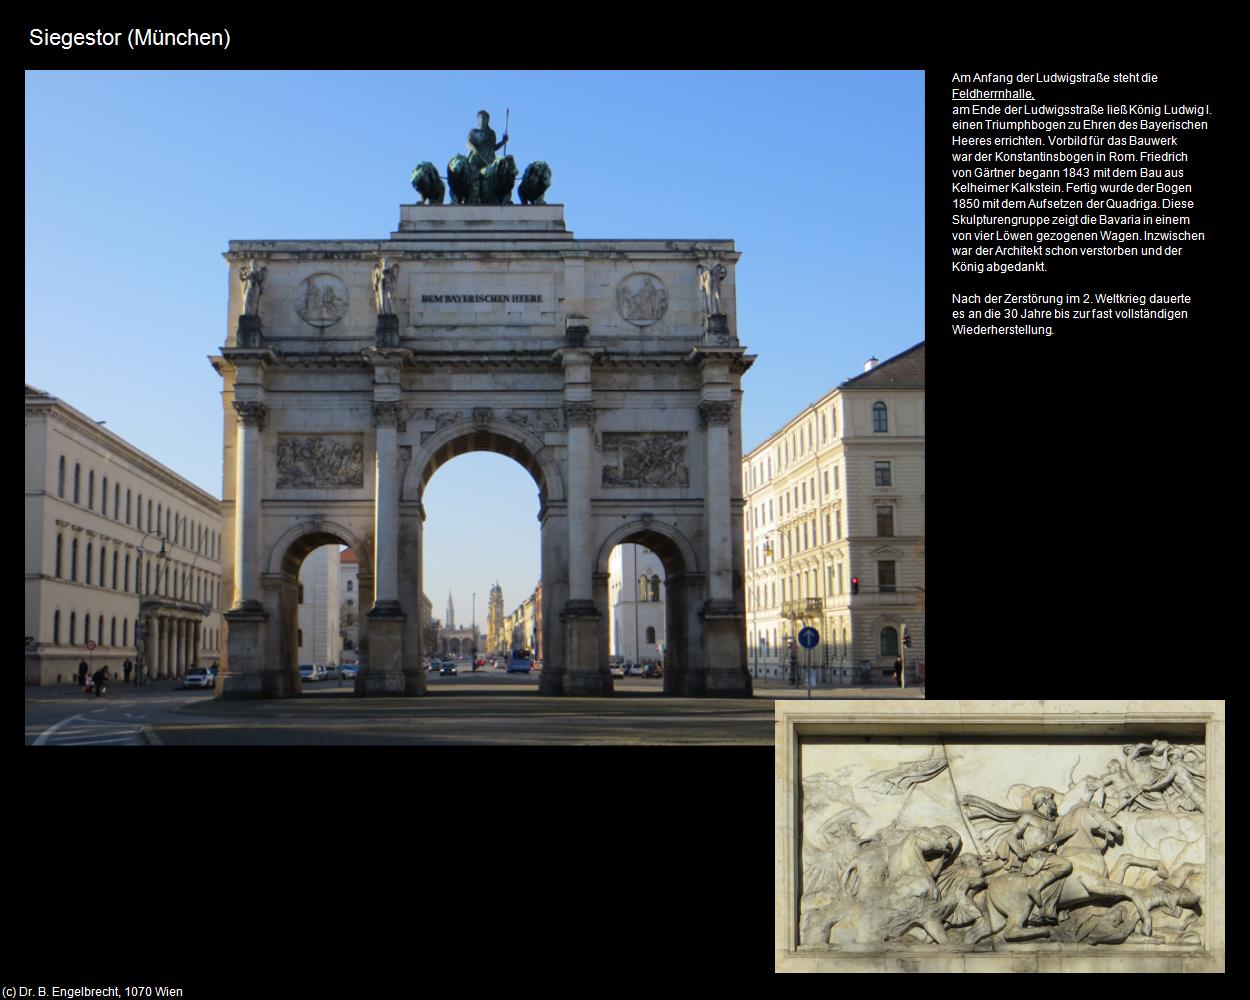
(654, 458)
(320, 461)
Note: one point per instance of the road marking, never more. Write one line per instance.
(43, 737)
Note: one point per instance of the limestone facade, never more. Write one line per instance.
(495, 642)
(838, 493)
(589, 362)
(636, 591)
(98, 514)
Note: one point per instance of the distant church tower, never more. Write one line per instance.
(451, 614)
(494, 621)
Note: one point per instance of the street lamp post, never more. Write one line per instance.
(141, 629)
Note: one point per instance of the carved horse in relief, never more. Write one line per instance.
(1085, 833)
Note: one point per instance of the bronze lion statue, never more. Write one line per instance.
(429, 185)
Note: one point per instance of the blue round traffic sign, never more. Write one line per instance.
(808, 637)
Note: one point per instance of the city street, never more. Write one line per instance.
(484, 708)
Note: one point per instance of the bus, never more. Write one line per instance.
(520, 661)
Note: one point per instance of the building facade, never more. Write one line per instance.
(636, 589)
(121, 553)
(495, 640)
(834, 528)
(349, 606)
(319, 607)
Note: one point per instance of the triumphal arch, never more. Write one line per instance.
(609, 369)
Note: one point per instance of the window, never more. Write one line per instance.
(655, 588)
(828, 529)
(73, 627)
(300, 634)
(103, 555)
(826, 483)
(836, 487)
(86, 628)
(113, 632)
(56, 625)
(99, 641)
(824, 429)
(91, 490)
(837, 525)
(126, 575)
(149, 510)
(885, 522)
(77, 482)
(805, 493)
(885, 577)
(117, 501)
(839, 578)
(882, 470)
(115, 561)
(125, 632)
(880, 421)
(60, 480)
(104, 497)
(128, 506)
(60, 544)
(651, 636)
(147, 579)
(889, 641)
(88, 576)
(350, 585)
(301, 600)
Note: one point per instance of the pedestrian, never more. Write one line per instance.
(100, 679)
(82, 674)
(126, 668)
(898, 671)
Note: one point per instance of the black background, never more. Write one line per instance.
(1062, 490)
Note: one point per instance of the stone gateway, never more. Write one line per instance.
(367, 364)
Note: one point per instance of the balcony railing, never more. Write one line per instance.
(803, 608)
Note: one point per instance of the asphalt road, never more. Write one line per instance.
(486, 708)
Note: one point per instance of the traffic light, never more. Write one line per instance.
(854, 585)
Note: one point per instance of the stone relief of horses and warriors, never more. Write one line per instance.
(949, 849)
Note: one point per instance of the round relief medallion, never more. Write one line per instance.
(321, 300)
(641, 299)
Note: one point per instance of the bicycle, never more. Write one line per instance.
(106, 690)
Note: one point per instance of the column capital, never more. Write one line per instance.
(715, 411)
(579, 412)
(389, 413)
(251, 413)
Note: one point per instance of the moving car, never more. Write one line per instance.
(448, 667)
(349, 671)
(521, 662)
(199, 677)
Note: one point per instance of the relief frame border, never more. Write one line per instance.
(796, 721)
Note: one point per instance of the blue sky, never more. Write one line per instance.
(136, 181)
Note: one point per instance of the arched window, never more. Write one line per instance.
(889, 641)
(147, 578)
(60, 545)
(91, 490)
(88, 576)
(103, 556)
(172, 540)
(115, 554)
(73, 627)
(350, 585)
(125, 632)
(86, 628)
(77, 482)
(880, 421)
(56, 627)
(60, 478)
(128, 506)
(113, 632)
(117, 501)
(651, 635)
(126, 575)
(99, 632)
(104, 496)
(73, 559)
(655, 588)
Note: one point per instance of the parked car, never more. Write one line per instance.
(349, 671)
(652, 670)
(198, 677)
(631, 670)
(331, 672)
(310, 671)
(617, 671)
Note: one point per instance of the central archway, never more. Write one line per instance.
(487, 433)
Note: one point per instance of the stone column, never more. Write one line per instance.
(162, 651)
(175, 666)
(247, 506)
(584, 673)
(195, 643)
(722, 618)
(383, 672)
